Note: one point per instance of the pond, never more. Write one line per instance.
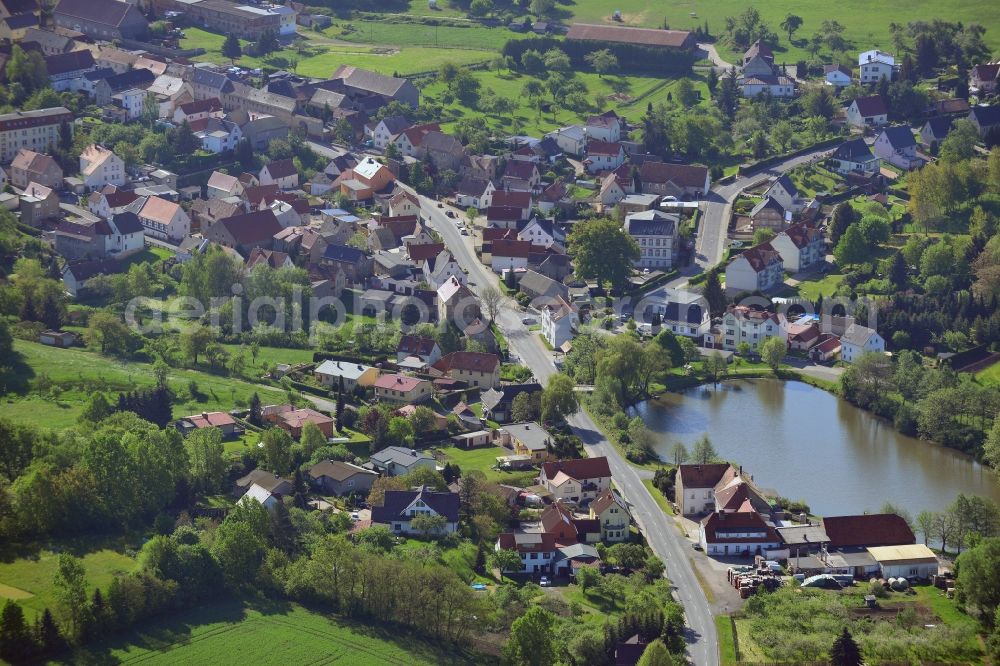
(804, 443)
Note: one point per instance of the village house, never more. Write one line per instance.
(800, 247)
(985, 78)
(330, 373)
(656, 235)
(611, 192)
(605, 127)
(402, 389)
(784, 191)
(399, 461)
(867, 112)
(76, 276)
(281, 173)
(334, 477)
(837, 75)
(248, 22)
(475, 193)
(271, 258)
(292, 419)
(854, 156)
(603, 156)
(741, 324)
(266, 498)
(560, 320)
(519, 200)
(734, 532)
(49, 42)
(770, 214)
(572, 140)
(985, 118)
(217, 135)
(525, 439)
(221, 421)
(694, 488)
(266, 480)
(612, 512)
(578, 481)
(681, 311)
(897, 146)
(537, 549)
(165, 219)
(222, 185)
(99, 167)
(414, 346)
(778, 86)
(197, 110)
(934, 131)
(457, 304)
(757, 269)
(117, 237)
(367, 178)
(440, 268)
(37, 130)
(541, 232)
(66, 70)
(683, 181)
(245, 231)
(802, 336)
(498, 403)
(538, 286)
(858, 340)
(31, 167)
(875, 65)
(476, 369)
(521, 175)
(38, 203)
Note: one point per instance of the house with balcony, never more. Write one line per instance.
(742, 323)
(579, 481)
(611, 511)
(875, 65)
(855, 157)
(758, 269)
(800, 247)
(400, 507)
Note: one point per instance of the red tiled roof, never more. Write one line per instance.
(801, 235)
(425, 251)
(877, 529)
(871, 106)
(716, 525)
(468, 362)
(504, 199)
(546, 543)
(497, 233)
(760, 256)
(683, 175)
(518, 249)
(210, 419)
(520, 169)
(595, 147)
(403, 383)
(582, 469)
(703, 476)
(642, 36)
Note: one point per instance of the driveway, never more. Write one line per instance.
(708, 51)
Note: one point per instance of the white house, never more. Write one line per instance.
(164, 219)
(404, 203)
(855, 156)
(604, 156)
(867, 111)
(542, 232)
(281, 173)
(758, 269)
(784, 191)
(744, 324)
(837, 75)
(262, 496)
(329, 373)
(571, 139)
(99, 167)
(386, 129)
(897, 146)
(577, 481)
(656, 234)
(537, 549)
(222, 185)
(133, 101)
(400, 507)
(778, 86)
(734, 532)
(397, 461)
(217, 135)
(913, 560)
(800, 247)
(682, 312)
(127, 235)
(559, 320)
(475, 193)
(876, 65)
(605, 127)
(858, 340)
(437, 270)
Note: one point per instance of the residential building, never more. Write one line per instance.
(35, 130)
(457, 304)
(198, 110)
(559, 320)
(695, 485)
(442, 150)
(934, 131)
(538, 286)
(400, 507)
(399, 461)
(757, 269)
(858, 340)
(854, 156)
(537, 549)
(572, 140)
(875, 65)
(106, 20)
(604, 127)
(292, 419)
(612, 512)
(684, 181)
(267, 481)
(521, 175)
(164, 219)
(267, 499)
(476, 369)
(402, 389)
(99, 167)
(31, 167)
(120, 236)
(656, 234)
(526, 439)
(281, 173)
(498, 403)
(837, 75)
(897, 146)
(734, 532)
(681, 311)
(66, 70)
(603, 156)
(38, 203)
(221, 421)
(909, 561)
(110, 200)
(985, 78)
(475, 193)
(414, 346)
(770, 214)
(245, 231)
(778, 86)
(222, 185)
(867, 111)
(867, 530)
(742, 323)
(800, 247)
(333, 477)
(578, 481)
(802, 336)
(440, 268)
(985, 118)
(217, 135)
(330, 373)
(365, 179)
(784, 191)
(76, 276)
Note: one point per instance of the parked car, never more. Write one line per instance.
(355, 517)
(450, 213)
(529, 321)
(545, 582)
(696, 546)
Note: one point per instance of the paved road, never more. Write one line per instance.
(709, 52)
(713, 230)
(661, 533)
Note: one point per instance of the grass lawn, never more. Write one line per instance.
(415, 34)
(321, 59)
(658, 496)
(461, 559)
(825, 286)
(268, 356)
(74, 374)
(26, 577)
(484, 459)
(727, 640)
(627, 95)
(274, 633)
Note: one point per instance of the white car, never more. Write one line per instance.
(545, 582)
(355, 517)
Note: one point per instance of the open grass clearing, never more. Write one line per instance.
(268, 634)
(661, 501)
(824, 286)
(483, 460)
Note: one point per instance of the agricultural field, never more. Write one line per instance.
(270, 634)
(60, 381)
(26, 574)
(471, 36)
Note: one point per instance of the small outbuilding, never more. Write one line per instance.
(908, 561)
